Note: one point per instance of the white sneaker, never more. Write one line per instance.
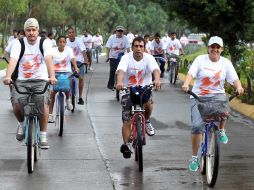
(69, 104)
(20, 132)
(51, 119)
(90, 68)
(149, 129)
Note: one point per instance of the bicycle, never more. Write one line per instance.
(62, 86)
(161, 62)
(33, 106)
(138, 134)
(173, 68)
(73, 89)
(209, 149)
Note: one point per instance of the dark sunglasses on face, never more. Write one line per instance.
(119, 30)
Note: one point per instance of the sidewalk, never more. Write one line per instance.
(236, 104)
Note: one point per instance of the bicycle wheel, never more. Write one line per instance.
(97, 55)
(73, 95)
(117, 95)
(212, 157)
(61, 112)
(36, 148)
(176, 73)
(203, 156)
(172, 72)
(139, 144)
(30, 145)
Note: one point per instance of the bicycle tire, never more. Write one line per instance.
(212, 157)
(73, 95)
(172, 73)
(203, 156)
(36, 147)
(30, 145)
(97, 56)
(139, 145)
(117, 95)
(175, 75)
(61, 109)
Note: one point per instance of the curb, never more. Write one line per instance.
(235, 104)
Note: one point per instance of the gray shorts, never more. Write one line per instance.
(81, 69)
(197, 123)
(126, 107)
(37, 85)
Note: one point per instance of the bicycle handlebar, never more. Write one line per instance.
(197, 98)
(4, 58)
(30, 92)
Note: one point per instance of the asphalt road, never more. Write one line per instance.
(88, 156)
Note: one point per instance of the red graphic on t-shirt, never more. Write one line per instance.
(75, 51)
(62, 65)
(209, 82)
(136, 79)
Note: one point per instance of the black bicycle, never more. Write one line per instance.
(33, 106)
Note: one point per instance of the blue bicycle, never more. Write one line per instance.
(33, 107)
(209, 150)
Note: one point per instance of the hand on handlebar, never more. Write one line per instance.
(52, 80)
(185, 87)
(7, 80)
(157, 85)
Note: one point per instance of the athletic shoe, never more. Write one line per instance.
(69, 104)
(149, 128)
(222, 136)
(51, 119)
(126, 150)
(43, 145)
(81, 101)
(193, 164)
(20, 132)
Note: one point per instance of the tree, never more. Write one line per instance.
(232, 20)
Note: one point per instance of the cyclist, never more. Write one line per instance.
(148, 43)
(116, 46)
(33, 65)
(173, 48)
(87, 39)
(158, 50)
(136, 69)
(63, 58)
(210, 70)
(97, 43)
(79, 51)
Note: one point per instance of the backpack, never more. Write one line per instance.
(14, 75)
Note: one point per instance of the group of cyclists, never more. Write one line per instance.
(131, 64)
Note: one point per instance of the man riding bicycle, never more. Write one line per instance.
(136, 69)
(173, 48)
(116, 46)
(158, 50)
(35, 66)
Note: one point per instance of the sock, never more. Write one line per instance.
(21, 123)
(194, 156)
(43, 136)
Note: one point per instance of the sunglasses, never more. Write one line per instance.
(119, 30)
(215, 46)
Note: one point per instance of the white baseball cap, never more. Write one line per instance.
(31, 22)
(215, 40)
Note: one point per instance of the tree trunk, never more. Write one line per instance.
(4, 33)
(248, 90)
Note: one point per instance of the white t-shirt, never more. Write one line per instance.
(97, 40)
(32, 64)
(173, 46)
(53, 42)
(88, 41)
(10, 44)
(117, 45)
(130, 37)
(210, 76)
(78, 47)
(165, 40)
(137, 72)
(62, 60)
(148, 47)
(157, 48)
